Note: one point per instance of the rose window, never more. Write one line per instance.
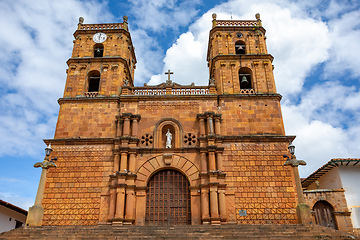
(190, 139)
(146, 140)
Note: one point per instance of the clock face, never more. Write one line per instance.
(99, 37)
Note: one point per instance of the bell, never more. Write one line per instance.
(98, 50)
(244, 80)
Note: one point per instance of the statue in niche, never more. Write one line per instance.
(168, 139)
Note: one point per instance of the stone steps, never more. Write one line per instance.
(188, 232)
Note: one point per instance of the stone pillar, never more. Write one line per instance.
(126, 130)
(205, 217)
(135, 127)
(214, 205)
(203, 163)
(217, 126)
(123, 163)
(130, 203)
(112, 203)
(202, 126)
(132, 162)
(36, 212)
(222, 204)
(118, 128)
(120, 204)
(210, 125)
(219, 162)
(212, 162)
(116, 161)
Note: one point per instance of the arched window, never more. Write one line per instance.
(93, 81)
(245, 78)
(240, 47)
(98, 50)
(324, 214)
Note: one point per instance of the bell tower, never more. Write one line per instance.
(103, 58)
(102, 62)
(238, 59)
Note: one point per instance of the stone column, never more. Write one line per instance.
(214, 205)
(123, 163)
(212, 162)
(203, 163)
(217, 126)
(116, 161)
(126, 130)
(118, 128)
(132, 162)
(130, 203)
(205, 217)
(112, 202)
(222, 203)
(120, 204)
(219, 162)
(210, 125)
(202, 126)
(135, 127)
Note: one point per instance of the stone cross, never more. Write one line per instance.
(168, 73)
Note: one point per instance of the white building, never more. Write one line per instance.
(11, 216)
(336, 184)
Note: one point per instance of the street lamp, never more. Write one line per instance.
(36, 212)
(302, 209)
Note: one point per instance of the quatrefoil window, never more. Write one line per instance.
(146, 140)
(189, 139)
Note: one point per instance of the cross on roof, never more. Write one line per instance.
(168, 73)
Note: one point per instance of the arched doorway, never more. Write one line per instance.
(324, 214)
(168, 199)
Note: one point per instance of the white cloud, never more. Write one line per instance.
(156, 15)
(344, 33)
(36, 41)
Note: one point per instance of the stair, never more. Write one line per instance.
(186, 232)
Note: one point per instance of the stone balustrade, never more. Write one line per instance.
(249, 23)
(101, 26)
(170, 90)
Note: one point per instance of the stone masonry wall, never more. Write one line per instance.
(72, 192)
(261, 184)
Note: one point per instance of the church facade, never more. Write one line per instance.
(170, 154)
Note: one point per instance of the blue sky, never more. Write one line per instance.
(315, 44)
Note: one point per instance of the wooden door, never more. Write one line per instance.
(168, 199)
(324, 214)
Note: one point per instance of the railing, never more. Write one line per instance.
(101, 26)
(147, 91)
(247, 91)
(91, 94)
(171, 91)
(249, 23)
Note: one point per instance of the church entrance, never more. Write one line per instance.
(324, 214)
(168, 199)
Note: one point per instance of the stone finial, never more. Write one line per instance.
(125, 23)
(258, 19)
(81, 20)
(125, 18)
(214, 20)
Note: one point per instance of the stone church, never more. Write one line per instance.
(170, 154)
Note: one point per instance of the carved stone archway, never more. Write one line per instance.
(161, 162)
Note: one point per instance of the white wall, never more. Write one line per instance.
(350, 177)
(5, 215)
